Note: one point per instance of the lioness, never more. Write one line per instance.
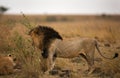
(7, 64)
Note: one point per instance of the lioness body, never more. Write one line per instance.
(7, 65)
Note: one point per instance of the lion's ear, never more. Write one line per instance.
(36, 31)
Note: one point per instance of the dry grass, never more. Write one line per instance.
(14, 39)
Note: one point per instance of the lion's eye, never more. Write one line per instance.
(9, 55)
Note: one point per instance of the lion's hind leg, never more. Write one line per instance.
(83, 56)
(90, 61)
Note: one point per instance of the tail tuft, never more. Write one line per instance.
(116, 55)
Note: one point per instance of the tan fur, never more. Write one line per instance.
(6, 65)
(67, 48)
(73, 48)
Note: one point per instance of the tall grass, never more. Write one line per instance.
(29, 59)
(13, 39)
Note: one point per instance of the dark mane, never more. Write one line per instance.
(49, 35)
(48, 32)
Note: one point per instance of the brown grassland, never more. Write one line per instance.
(14, 39)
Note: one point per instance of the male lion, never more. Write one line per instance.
(43, 37)
(54, 46)
(7, 64)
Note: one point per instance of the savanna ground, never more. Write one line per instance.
(14, 39)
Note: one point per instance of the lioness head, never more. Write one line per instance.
(7, 64)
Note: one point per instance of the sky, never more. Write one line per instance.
(62, 6)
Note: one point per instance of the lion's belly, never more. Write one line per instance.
(68, 54)
(68, 49)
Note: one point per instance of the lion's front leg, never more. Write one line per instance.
(50, 63)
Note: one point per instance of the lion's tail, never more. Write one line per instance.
(115, 55)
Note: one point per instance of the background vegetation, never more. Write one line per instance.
(14, 39)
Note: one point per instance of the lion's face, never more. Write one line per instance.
(7, 64)
(42, 36)
(12, 59)
(36, 38)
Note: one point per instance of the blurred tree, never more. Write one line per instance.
(3, 9)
